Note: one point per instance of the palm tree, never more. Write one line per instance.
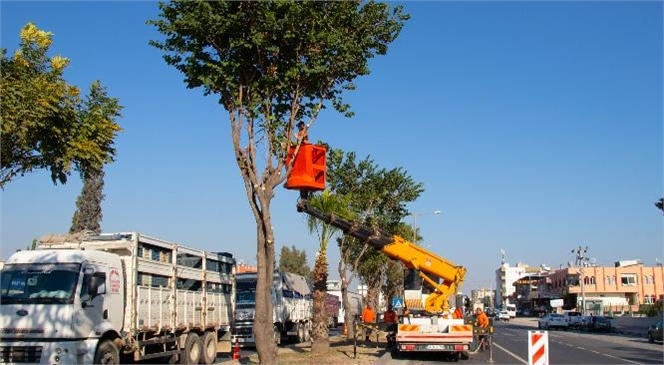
(329, 203)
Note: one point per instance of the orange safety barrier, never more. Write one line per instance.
(236, 350)
(309, 168)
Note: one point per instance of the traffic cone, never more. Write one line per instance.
(236, 350)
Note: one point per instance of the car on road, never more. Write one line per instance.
(573, 319)
(553, 321)
(503, 316)
(655, 331)
(598, 323)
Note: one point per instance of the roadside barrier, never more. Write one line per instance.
(538, 348)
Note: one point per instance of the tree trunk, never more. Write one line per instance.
(320, 336)
(348, 316)
(266, 346)
(373, 291)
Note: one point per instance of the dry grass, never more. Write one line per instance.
(340, 352)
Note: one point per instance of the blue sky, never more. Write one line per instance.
(535, 127)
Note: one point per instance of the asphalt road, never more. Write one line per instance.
(565, 347)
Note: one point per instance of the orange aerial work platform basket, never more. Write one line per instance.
(309, 168)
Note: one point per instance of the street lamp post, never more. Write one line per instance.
(414, 225)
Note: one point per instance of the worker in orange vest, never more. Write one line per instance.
(368, 316)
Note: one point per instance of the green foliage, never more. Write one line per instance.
(651, 310)
(294, 261)
(328, 203)
(33, 245)
(44, 122)
(275, 62)
(88, 214)
(378, 197)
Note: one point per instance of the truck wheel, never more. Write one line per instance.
(209, 347)
(192, 349)
(455, 356)
(107, 353)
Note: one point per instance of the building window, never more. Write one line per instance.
(647, 299)
(592, 280)
(189, 284)
(190, 260)
(628, 279)
(607, 280)
(586, 280)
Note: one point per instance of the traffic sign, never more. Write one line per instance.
(397, 303)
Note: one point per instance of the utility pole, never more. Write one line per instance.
(581, 262)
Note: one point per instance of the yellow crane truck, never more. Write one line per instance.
(429, 326)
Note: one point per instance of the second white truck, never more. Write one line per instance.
(114, 298)
(292, 304)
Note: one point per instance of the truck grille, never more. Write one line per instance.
(245, 331)
(20, 354)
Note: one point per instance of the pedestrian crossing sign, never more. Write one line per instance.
(397, 303)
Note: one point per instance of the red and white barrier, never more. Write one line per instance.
(538, 348)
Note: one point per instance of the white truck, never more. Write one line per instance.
(114, 298)
(355, 299)
(292, 308)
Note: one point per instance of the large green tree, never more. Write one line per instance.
(271, 64)
(45, 124)
(294, 260)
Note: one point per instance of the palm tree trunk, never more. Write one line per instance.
(320, 337)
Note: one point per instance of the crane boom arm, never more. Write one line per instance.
(428, 265)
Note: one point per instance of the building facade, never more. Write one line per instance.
(484, 295)
(506, 275)
(605, 289)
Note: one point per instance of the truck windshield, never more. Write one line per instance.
(245, 299)
(39, 283)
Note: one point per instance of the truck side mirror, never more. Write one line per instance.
(93, 287)
(97, 284)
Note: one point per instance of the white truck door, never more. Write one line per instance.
(89, 313)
